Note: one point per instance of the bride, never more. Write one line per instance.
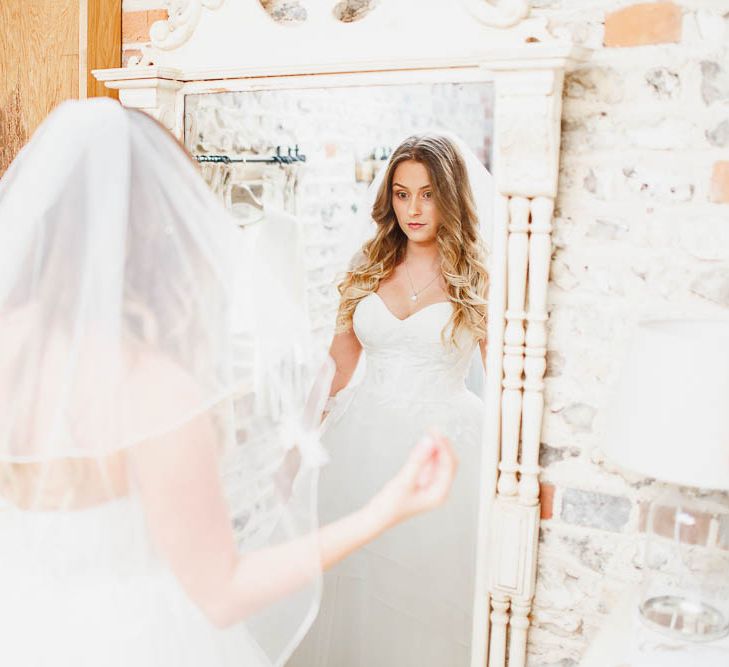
(414, 302)
(135, 430)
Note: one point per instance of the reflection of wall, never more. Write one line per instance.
(336, 128)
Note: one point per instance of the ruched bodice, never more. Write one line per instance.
(408, 358)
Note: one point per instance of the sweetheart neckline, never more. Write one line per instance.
(405, 319)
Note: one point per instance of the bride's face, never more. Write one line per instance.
(413, 203)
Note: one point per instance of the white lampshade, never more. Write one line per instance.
(670, 414)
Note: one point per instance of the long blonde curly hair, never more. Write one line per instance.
(462, 253)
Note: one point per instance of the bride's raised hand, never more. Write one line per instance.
(421, 484)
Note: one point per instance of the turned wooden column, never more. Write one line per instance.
(526, 158)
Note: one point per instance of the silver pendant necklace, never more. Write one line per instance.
(415, 293)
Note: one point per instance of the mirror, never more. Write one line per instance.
(310, 154)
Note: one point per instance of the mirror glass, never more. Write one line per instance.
(302, 160)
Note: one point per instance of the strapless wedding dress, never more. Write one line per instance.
(406, 599)
(84, 588)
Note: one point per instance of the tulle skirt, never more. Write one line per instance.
(406, 599)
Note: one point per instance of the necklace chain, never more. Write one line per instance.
(416, 293)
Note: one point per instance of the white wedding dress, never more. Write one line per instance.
(406, 599)
(84, 588)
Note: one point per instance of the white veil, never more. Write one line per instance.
(118, 276)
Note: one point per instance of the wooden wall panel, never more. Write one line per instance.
(38, 42)
(46, 50)
(104, 45)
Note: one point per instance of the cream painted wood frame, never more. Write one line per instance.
(527, 68)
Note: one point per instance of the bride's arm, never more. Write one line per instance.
(345, 350)
(177, 476)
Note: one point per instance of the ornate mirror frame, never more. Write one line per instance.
(527, 66)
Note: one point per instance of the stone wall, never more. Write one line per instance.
(641, 230)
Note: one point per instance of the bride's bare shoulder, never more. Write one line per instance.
(153, 374)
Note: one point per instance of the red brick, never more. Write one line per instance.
(719, 193)
(664, 524)
(642, 24)
(135, 25)
(154, 15)
(546, 499)
(664, 519)
(699, 532)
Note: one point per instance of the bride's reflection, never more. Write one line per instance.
(414, 303)
(410, 318)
